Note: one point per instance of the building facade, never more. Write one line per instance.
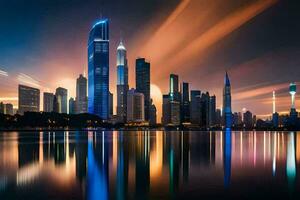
(185, 103)
(48, 102)
(29, 99)
(227, 114)
(98, 69)
(62, 100)
(135, 106)
(142, 78)
(72, 106)
(195, 107)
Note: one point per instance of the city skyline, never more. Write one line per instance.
(252, 82)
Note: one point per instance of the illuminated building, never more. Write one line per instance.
(29, 99)
(135, 106)
(111, 105)
(293, 113)
(174, 89)
(275, 115)
(48, 102)
(227, 115)
(142, 78)
(122, 82)
(98, 69)
(174, 96)
(62, 100)
(205, 109)
(72, 106)
(81, 95)
(248, 120)
(293, 94)
(185, 102)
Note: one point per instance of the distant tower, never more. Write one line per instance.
(227, 115)
(274, 102)
(293, 94)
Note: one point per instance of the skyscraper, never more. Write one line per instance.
(293, 94)
(227, 115)
(152, 118)
(174, 88)
(195, 107)
(142, 77)
(212, 111)
(185, 102)
(48, 102)
(62, 99)
(275, 115)
(122, 82)
(29, 99)
(98, 69)
(248, 120)
(81, 95)
(135, 106)
(166, 110)
(72, 106)
(205, 110)
(111, 104)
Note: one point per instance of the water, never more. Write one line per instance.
(149, 165)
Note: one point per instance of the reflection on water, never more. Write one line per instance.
(149, 165)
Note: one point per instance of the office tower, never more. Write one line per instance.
(166, 110)
(55, 104)
(195, 107)
(48, 102)
(29, 99)
(227, 115)
(274, 102)
(111, 105)
(174, 113)
(72, 106)
(218, 117)
(62, 100)
(275, 115)
(81, 95)
(135, 106)
(98, 69)
(122, 82)
(235, 119)
(9, 109)
(152, 116)
(174, 88)
(212, 111)
(204, 109)
(293, 112)
(142, 78)
(185, 103)
(248, 120)
(2, 108)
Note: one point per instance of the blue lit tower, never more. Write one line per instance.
(98, 69)
(122, 82)
(227, 115)
(293, 94)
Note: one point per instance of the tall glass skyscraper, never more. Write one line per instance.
(122, 82)
(142, 82)
(81, 95)
(227, 114)
(98, 70)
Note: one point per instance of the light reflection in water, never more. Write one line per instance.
(145, 165)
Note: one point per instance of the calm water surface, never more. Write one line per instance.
(149, 165)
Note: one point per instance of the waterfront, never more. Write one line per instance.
(149, 165)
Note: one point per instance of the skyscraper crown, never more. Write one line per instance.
(226, 80)
(121, 46)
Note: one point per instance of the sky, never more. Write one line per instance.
(43, 43)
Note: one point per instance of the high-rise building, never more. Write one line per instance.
(205, 109)
(122, 82)
(218, 117)
(152, 118)
(2, 108)
(72, 106)
(212, 111)
(48, 102)
(227, 115)
(98, 69)
(142, 77)
(174, 88)
(185, 103)
(81, 95)
(195, 107)
(293, 94)
(275, 115)
(9, 109)
(111, 105)
(248, 120)
(174, 113)
(166, 110)
(135, 106)
(62, 99)
(29, 99)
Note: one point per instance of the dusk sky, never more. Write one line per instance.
(43, 43)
